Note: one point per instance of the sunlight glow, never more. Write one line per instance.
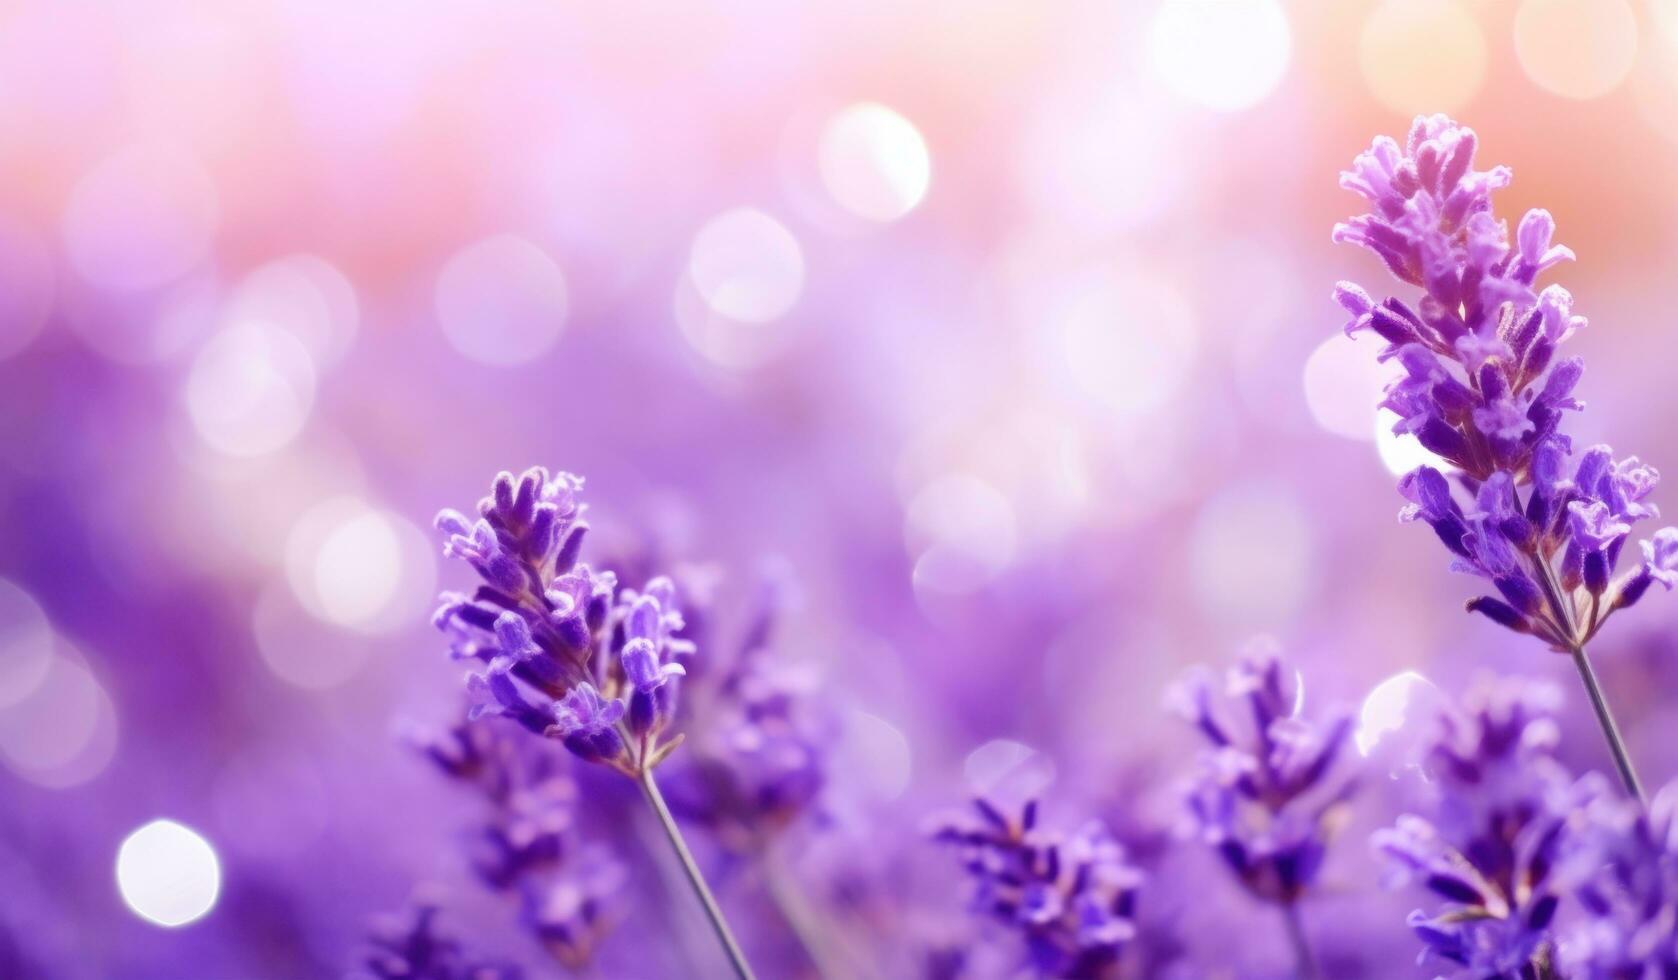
(168, 874)
(1223, 54)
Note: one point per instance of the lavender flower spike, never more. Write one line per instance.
(1625, 865)
(570, 656)
(1490, 843)
(1266, 798)
(526, 846)
(1071, 901)
(568, 653)
(1484, 388)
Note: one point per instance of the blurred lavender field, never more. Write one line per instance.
(987, 346)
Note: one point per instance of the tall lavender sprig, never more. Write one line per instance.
(1489, 845)
(1070, 899)
(565, 652)
(1484, 389)
(1267, 796)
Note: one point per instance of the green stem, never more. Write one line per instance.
(696, 878)
(802, 920)
(1605, 718)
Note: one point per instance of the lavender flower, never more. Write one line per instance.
(410, 947)
(1485, 390)
(1071, 900)
(1625, 866)
(1493, 838)
(1266, 797)
(527, 846)
(564, 651)
(570, 656)
(762, 758)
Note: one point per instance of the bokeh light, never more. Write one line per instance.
(141, 218)
(877, 755)
(168, 874)
(250, 390)
(62, 733)
(1423, 56)
(874, 162)
(1395, 702)
(1579, 49)
(1343, 384)
(1251, 552)
(1222, 54)
(299, 648)
(502, 301)
(358, 567)
(1400, 452)
(305, 296)
(961, 533)
(26, 644)
(747, 266)
(1127, 342)
(1005, 769)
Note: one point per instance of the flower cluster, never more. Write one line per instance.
(762, 760)
(1484, 389)
(1072, 900)
(410, 947)
(527, 846)
(564, 650)
(1266, 796)
(1497, 823)
(1626, 867)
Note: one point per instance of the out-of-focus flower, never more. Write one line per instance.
(761, 758)
(565, 651)
(1267, 796)
(410, 947)
(527, 845)
(1482, 388)
(1625, 872)
(1070, 899)
(1491, 841)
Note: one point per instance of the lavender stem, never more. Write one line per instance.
(1582, 660)
(1610, 731)
(1304, 958)
(696, 878)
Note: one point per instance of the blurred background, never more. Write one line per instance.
(1004, 327)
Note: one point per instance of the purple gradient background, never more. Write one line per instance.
(1109, 542)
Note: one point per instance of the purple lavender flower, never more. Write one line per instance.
(1484, 390)
(569, 655)
(1497, 822)
(1266, 797)
(564, 651)
(576, 905)
(410, 947)
(761, 759)
(1625, 871)
(1071, 900)
(527, 845)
